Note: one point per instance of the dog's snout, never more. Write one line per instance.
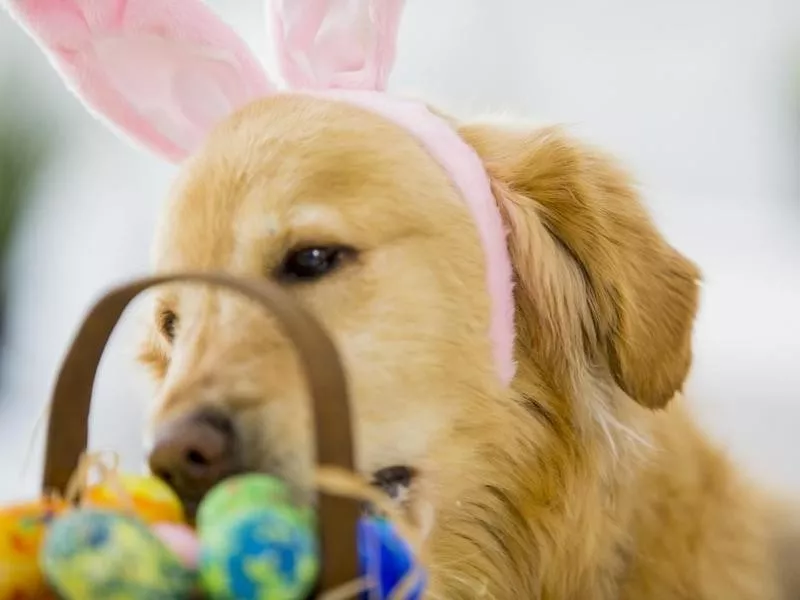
(194, 453)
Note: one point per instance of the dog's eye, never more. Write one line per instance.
(312, 263)
(167, 322)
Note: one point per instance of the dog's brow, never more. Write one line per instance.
(313, 216)
(266, 225)
(299, 217)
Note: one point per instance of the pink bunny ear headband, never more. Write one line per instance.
(164, 72)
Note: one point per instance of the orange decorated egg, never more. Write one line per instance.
(22, 531)
(152, 500)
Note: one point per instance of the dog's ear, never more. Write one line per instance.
(582, 241)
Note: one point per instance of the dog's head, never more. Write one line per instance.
(349, 213)
(353, 215)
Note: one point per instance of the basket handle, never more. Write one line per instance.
(67, 433)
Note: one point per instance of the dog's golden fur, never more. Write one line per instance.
(587, 479)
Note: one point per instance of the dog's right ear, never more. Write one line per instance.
(598, 278)
(163, 72)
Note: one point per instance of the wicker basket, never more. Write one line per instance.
(67, 433)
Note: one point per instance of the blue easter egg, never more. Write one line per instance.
(101, 555)
(385, 558)
(267, 553)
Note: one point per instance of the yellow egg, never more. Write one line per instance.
(152, 500)
(22, 529)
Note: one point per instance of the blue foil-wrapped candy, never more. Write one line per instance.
(385, 558)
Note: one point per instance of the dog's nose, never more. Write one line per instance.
(194, 453)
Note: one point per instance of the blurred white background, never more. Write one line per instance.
(701, 98)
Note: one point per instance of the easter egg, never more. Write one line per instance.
(95, 554)
(241, 493)
(151, 499)
(385, 558)
(262, 554)
(22, 531)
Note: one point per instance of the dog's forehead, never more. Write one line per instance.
(277, 133)
(301, 162)
(292, 148)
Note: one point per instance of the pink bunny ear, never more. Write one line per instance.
(323, 44)
(162, 71)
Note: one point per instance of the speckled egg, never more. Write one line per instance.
(241, 493)
(22, 531)
(153, 500)
(100, 555)
(261, 554)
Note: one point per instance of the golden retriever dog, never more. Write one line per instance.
(587, 479)
(584, 477)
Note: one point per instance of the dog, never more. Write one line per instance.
(577, 474)
(587, 478)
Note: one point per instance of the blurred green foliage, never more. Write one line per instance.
(21, 153)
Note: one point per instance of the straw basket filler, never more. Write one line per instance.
(105, 539)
